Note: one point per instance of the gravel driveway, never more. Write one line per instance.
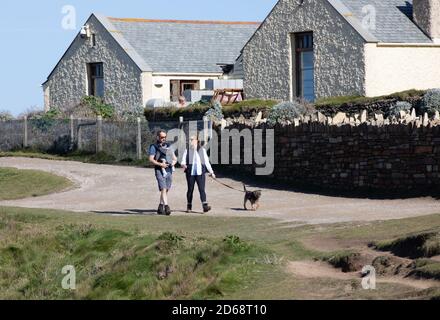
(117, 190)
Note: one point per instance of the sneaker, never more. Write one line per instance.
(167, 210)
(189, 208)
(206, 208)
(161, 210)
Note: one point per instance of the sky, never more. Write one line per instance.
(33, 38)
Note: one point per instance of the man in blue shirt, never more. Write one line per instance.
(163, 158)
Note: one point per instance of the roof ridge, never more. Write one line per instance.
(184, 21)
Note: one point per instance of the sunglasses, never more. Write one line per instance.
(162, 138)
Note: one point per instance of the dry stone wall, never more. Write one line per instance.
(349, 153)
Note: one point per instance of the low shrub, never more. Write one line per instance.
(215, 113)
(44, 121)
(6, 116)
(431, 101)
(235, 244)
(197, 111)
(98, 107)
(400, 106)
(287, 111)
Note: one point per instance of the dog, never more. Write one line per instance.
(253, 197)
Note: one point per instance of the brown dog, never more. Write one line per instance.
(253, 197)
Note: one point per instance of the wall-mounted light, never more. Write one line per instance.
(85, 32)
(158, 85)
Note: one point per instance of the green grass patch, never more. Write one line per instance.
(252, 103)
(426, 269)
(79, 156)
(425, 244)
(120, 264)
(19, 184)
(181, 257)
(353, 100)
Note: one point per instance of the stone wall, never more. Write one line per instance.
(68, 84)
(339, 52)
(376, 155)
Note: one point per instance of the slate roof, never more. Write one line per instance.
(394, 22)
(173, 46)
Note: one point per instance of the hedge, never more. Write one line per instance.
(248, 108)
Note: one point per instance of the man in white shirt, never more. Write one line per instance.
(195, 162)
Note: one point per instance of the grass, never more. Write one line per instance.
(425, 244)
(153, 257)
(85, 157)
(399, 96)
(117, 262)
(426, 269)
(345, 260)
(252, 103)
(18, 184)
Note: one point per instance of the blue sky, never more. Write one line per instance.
(33, 39)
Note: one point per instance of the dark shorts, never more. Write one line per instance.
(162, 182)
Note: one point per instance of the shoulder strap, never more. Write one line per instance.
(158, 152)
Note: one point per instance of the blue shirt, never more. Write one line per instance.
(153, 151)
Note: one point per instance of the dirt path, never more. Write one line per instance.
(128, 190)
(311, 269)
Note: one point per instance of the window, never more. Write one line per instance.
(96, 79)
(188, 86)
(93, 40)
(304, 66)
(178, 87)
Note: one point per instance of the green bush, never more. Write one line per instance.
(6, 116)
(431, 101)
(44, 121)
(98, 106)
(286, 111)
(400, 106)
(215, 113)
(197, 110)
(235, 244)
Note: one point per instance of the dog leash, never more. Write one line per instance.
(227, 186)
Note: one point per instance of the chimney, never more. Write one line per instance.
(427, 16)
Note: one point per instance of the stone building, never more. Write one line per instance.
(130, 61)
(321, 48)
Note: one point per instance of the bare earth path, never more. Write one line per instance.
(129, 190)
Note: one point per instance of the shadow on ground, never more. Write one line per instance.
(254, 181)
(142, 212)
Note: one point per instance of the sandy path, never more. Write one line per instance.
(128, 190)
(310, 269)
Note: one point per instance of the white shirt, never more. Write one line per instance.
(197, 162)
